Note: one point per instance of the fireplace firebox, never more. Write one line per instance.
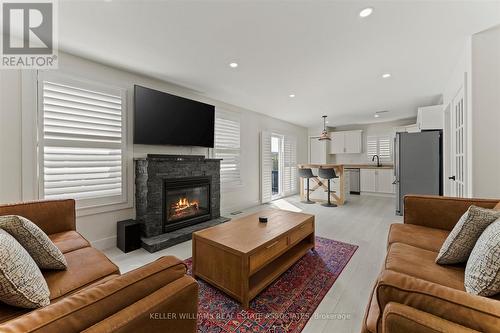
(186, 201)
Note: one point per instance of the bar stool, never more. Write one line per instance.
(328, 173)
(306, 173)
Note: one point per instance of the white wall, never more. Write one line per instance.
(101, 228)
(10, 138)
(478, 72)
(485, 125)
(383, 128)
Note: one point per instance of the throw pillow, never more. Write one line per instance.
(21, 282)
(35, 241)
(482, 273)
(460, 242)
(497, 207)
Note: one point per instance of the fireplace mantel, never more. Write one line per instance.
(150, 174)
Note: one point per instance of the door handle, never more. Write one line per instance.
(394, 182)
(452, 178)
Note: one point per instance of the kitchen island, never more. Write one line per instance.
(339, 196)
(316, 183)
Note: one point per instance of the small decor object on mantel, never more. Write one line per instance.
(324, 135)
(262, 219)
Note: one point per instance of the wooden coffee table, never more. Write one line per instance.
(244, 256)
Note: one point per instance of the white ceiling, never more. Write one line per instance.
(321, 51)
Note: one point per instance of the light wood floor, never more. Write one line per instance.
(363, 221)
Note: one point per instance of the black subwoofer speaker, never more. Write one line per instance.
(128, 235)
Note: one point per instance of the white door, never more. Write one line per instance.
(352, 142)
(266, 166)
(447, 165)
(368, 180)
(458, 146)
(337, 143)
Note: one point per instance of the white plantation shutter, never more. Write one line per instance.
(266, 166)
(290, 165)
(385, 148)
(371, 146)
(82, 142)
(379, 145)
(227, 147)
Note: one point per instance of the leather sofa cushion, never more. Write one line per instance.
(51, 216)
(422, 237)
(177, 296)
(8, 312)
(419, 263)
(68, 241)
(89, 306)
(475, 312)
(85, 266)
(402, 318)
(373, 313)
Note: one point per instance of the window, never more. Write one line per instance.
(278, 153)
(381, 146)
(227, 147)
(82, 142)
(290, 179)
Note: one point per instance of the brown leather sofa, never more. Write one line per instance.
(413, 293)
(91, 295)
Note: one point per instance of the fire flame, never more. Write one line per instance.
(184, 203)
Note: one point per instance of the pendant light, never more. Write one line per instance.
(324, 135)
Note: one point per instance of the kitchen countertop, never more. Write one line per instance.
(368, 166)
(347, 166)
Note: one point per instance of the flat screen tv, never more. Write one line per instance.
(165, 119)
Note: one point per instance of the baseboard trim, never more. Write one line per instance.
(104, 243)
(374, 194)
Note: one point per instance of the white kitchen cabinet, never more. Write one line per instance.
(408, 128)
(430, 117)
(352, 142)
(377, 180)
(337, 143)
(385, 177)
(367, 180)
(346, 142)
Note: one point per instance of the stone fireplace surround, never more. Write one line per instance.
(150, 174)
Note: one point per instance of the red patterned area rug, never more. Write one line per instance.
(287, 304)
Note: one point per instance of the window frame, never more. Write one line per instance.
(87, 206)
(378, 138)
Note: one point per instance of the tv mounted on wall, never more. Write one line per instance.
(165, 119)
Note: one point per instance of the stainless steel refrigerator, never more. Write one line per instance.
(418, 165)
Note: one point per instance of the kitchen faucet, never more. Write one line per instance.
(378, 160)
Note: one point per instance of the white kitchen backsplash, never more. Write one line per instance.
(349, 158)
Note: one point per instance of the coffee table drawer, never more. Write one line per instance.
(301, 232)
(258, 259)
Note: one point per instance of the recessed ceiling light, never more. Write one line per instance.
(366, 12)
(376, 115)
(233, 65)
(386, 75)
(291, 95)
